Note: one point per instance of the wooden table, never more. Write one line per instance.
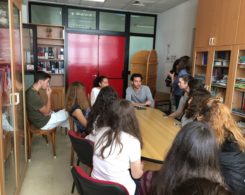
(158, 133)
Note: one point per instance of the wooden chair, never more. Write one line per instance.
(162, 99)
(31, 130)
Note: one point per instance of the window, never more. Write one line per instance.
(142, 24)
(112, 21)
(41, 14)
(85, 19)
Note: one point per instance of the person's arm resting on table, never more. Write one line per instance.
(179, 112)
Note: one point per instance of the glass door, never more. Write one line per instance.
(200, 66)
(29, 48)
(7, 127)
(138, 43)
(18, 95)
(238, 103)
(29, 32)
(220, 69)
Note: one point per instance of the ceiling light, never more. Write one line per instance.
(100, 1)
(143, 26)
(138, 3)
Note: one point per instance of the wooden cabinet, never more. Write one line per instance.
(217, 22)
(237, 83)
(44, 51)
(220, 61)
(12, 126)
(205, 23)
(240, 38)
(227, 14)
(58, 98)
(219, 71)
(145, 63)
(200, 64)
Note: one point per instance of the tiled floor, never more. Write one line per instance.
(46, 175)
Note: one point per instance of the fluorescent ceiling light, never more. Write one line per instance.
(143, 26)
(100, 1)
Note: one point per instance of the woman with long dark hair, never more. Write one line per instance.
(197, 98)
(106, 97)
(193, 154)
(118, 145)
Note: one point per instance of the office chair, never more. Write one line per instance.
(84, 149)
(87, 185)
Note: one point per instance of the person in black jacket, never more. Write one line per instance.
(231, 143)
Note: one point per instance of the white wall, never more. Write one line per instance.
(174, 28)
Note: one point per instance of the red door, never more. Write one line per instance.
(90, 55)
(82, 59)
(111, 60)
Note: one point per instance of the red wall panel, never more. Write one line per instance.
(111, 56)
(90, 55)
(82, 59)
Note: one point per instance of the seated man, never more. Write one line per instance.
(40, 114)
(139, 95)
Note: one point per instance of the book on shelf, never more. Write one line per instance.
(241, 65)
(241, 125)
(238, 111)
(50, 53)
(51, 67)
(240, 86)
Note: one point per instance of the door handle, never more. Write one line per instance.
(213, 41)
(13, 97)
(210, 41)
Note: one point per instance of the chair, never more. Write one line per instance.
(73, 127)
(84, 149)
(32, 130)
(87, 185)
(162, 99)
(71, 122)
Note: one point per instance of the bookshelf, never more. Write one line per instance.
(44, 51)
(200, 64)
(220, 69)
(238, 102)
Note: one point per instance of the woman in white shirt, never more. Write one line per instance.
(99, 82)
(118, 146)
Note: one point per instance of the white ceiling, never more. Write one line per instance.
(150, 6)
